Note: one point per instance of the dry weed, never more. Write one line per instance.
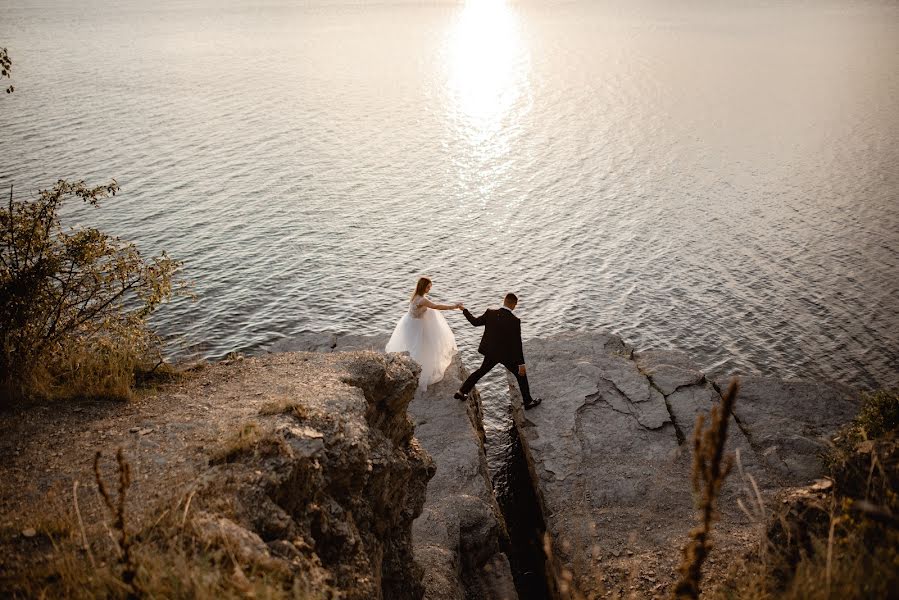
(710, 468)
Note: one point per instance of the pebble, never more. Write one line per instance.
(134, 429)
(29, 532)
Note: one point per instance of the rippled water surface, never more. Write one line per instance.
(724, 181)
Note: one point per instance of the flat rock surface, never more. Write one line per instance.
(791, 422)
(610, 450)
(329, 342)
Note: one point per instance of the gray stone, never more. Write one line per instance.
(305, 342)
(329, 342)
(458, 537)
(668, 370)
(610, 452)
(791, 422)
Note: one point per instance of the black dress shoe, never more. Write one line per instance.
(460, 396)
(533, 403)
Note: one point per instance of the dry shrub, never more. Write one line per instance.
(74, 302)
(878, 415)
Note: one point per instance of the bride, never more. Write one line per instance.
(425, 335)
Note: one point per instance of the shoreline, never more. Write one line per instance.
(171, 432)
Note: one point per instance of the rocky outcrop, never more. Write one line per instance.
(610, 455)
(460, 535)
(327, 483)
(287, 474)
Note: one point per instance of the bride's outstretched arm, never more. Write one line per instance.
(430, 304)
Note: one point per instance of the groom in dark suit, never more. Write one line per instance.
(501, 345)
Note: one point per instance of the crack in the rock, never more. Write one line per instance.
(678, 432)
(753, 443)
(686, 385)
(617, 389)
(592, 399)
(679, 436)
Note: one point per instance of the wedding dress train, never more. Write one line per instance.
(424, 333)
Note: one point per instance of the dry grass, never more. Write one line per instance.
(833, 542)
(52, 519)
(843, 566)
(710, 468)
(242, 441)
(285, 406)
(166, 559)
(108, 371)
(120, 522)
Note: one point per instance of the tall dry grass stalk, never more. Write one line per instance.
(710, 468)
(117, 510)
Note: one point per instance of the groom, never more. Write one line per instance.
(501, 344)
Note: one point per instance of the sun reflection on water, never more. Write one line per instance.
(488, 66)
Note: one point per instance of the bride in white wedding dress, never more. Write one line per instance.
(424, 333)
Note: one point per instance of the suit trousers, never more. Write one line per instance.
(485, 368)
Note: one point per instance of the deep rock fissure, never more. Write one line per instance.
(678, 432)
(516, 495)
(526, 527)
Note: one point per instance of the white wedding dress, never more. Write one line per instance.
(424, 333)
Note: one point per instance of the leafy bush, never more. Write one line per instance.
(879, 415)
(74, 302)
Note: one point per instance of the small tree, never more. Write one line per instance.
(5, 68)
(74, 302)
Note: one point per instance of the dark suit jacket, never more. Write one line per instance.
(502, 335)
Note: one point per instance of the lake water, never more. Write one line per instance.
(720, 178)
